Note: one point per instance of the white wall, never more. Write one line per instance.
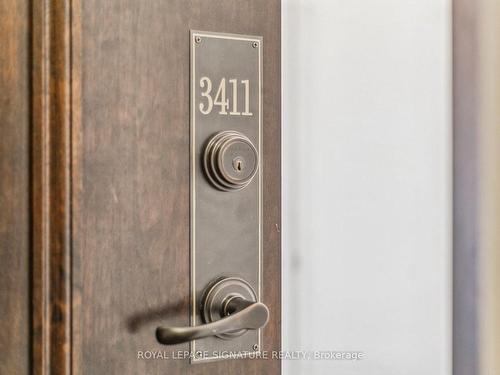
(367, 184)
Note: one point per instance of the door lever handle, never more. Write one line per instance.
(237, 316)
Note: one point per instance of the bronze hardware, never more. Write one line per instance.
(229, 309)
(226, 180)
(230, 160)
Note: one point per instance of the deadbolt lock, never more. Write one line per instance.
(230, 160)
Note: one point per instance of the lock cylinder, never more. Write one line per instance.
(230, 160)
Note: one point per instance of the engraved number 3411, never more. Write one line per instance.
(220, 97)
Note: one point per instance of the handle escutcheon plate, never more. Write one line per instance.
(226, 179)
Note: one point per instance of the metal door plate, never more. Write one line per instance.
(226, 95)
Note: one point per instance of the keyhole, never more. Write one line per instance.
(238, 164)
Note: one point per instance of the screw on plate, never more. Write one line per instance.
(255, 347)
(197, 39)
(255, 44)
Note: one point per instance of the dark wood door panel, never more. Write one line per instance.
(130, 178)
(14, 187)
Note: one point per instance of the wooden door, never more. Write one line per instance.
(109, 144)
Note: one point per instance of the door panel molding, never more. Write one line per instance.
(51, 187)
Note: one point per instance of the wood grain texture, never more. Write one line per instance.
(465, 187)
(131, 178)
(51, 187)
(14, 187)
